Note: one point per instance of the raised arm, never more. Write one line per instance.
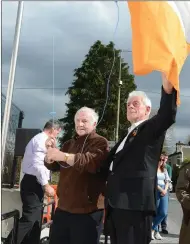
(168, 88)
(167, 112)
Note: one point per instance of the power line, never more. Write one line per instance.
(66, 88)
(181, 95)
(37, 88)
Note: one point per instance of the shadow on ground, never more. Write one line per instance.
(171, 235)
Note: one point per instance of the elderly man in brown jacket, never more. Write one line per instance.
(80, 188)
(183, 195)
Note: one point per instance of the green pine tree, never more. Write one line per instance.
(89, 89)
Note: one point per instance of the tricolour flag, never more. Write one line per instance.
(160, 37)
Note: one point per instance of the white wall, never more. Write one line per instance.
(10, 201)
(186, 152)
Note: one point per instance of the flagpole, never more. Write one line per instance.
(11, 80)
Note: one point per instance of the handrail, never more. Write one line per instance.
(12, 214)
(15, 213)
(48, 224)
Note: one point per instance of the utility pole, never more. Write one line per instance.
(11, 80)
(118, 102)
(119, 95)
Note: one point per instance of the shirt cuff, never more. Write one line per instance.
(44, 182)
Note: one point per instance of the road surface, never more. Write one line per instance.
(174, 224)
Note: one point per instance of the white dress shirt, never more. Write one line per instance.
(33, 161)
(121, 145)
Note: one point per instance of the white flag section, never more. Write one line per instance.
(160, 37)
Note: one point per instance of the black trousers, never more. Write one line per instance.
(68, 228)
(29, 228)
(129, 227)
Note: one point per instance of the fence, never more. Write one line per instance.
(13, 214)
(16, 117)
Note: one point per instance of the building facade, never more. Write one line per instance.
(181, 154)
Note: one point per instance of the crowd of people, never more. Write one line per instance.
(126, 189)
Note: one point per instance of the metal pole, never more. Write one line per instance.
(11, 78)
(119, 96)
(118, 103)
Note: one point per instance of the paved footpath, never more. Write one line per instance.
(174, 224)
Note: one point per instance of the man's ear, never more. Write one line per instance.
(148, 110)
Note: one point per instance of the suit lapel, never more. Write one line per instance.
(134, 133)
(130, 139)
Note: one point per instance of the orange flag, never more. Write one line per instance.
(160, 37)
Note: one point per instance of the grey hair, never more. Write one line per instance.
(53, 124)
(91, 111)
(146, 100)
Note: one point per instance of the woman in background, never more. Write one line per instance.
(162, 197)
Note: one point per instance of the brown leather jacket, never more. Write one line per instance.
(80, 188)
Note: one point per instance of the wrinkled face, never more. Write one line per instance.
(137, 110)
(84, 123)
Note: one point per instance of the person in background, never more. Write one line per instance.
(162, 197)
(34, 184)
(183, 196)
(80, 191)
(169, 170)
(168, 167)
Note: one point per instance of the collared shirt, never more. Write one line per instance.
(33, 161)
(120, 147)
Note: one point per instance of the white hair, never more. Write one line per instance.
(90, 111)
(146, 100)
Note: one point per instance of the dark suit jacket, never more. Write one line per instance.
(131, 184)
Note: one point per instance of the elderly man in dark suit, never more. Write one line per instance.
(131, 168)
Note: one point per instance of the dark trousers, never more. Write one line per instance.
(29, 228)
(71, 228)
(129, 227)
